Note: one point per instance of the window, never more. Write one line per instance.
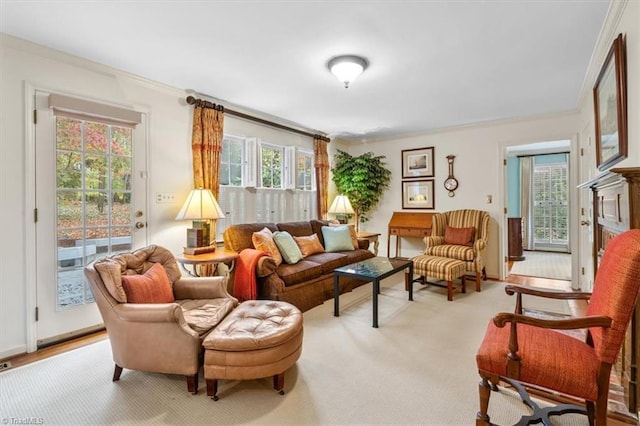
(93, 180)
(285, 189)
(550, 205)
(271, 158)
(304, 171)
(231, 161)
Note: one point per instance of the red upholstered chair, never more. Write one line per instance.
(534, 353)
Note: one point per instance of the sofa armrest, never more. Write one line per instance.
(266, 266)
(432, 241)
(201, 288)
(363, 243)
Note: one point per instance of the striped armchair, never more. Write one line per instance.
(473, 253)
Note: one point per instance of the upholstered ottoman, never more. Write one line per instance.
(442, 268)
(260, 338)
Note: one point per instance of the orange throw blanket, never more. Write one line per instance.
(245, 284)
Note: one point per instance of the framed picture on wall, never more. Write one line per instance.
(418, 194)
(610, 105)
(417, 163)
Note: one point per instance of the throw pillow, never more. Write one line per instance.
(352, 232)
(309, 245)
(263, 241)
(337, 238)
(151, 287)
(459, 236)
(288, 248)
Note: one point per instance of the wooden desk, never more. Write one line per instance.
(373, 238)
(408, 224)
(213, 258)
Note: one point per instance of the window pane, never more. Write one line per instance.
(95, 171)
(121, 141)
(68, 134)
(95, 138)
(68, 169)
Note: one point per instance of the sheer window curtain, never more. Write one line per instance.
(526, 177)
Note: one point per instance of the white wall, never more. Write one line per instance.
(624, 17)
(478, 166)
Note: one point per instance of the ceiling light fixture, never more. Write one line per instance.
(347, 67)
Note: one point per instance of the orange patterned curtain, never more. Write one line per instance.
(321, 164)
(206, 145)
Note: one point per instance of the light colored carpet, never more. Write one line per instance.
(545, 265)
(417, 368)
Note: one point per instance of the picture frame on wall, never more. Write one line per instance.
(418, 194)
(610, 106)
(417, 163)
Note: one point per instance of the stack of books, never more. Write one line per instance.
(199, 250)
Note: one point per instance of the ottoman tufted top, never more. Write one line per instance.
(255, 324)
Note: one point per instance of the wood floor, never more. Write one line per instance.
(577, 308)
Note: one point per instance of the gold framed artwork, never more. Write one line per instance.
(610, 106)
(418, 194)
(417, 163)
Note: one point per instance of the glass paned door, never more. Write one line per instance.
(88, 200)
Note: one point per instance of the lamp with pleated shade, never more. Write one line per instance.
(201, 207)
(341, 206)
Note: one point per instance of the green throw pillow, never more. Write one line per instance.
(288, 248)
(337, 238)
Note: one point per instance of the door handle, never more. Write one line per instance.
(139, 225)
(585, 223)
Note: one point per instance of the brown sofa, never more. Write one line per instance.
(307, 283)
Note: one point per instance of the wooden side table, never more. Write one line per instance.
(213, 258)
(373, 238)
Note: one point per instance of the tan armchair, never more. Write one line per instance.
(473, 253)
(157, 337)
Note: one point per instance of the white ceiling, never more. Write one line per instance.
(433, 64)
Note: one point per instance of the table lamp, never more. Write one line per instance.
(200, 207)
(341, 206)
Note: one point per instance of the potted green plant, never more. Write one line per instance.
(363, 179)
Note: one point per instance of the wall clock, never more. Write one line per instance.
(451, 184)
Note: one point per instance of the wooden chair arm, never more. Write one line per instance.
(548, 293)
(503, 318)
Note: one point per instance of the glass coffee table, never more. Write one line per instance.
(374, 270)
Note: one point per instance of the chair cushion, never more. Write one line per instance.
(289, 250)
(309, 245)
(204, 314)
(452, 251)
(151, 287)
(459, 236)
(544, 354)
(337, 238)
(263, 241)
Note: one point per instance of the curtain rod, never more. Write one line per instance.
(544, 153)
(200, 102)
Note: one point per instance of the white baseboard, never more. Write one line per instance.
(16, 350)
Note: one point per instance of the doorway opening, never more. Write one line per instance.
(538, 201)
